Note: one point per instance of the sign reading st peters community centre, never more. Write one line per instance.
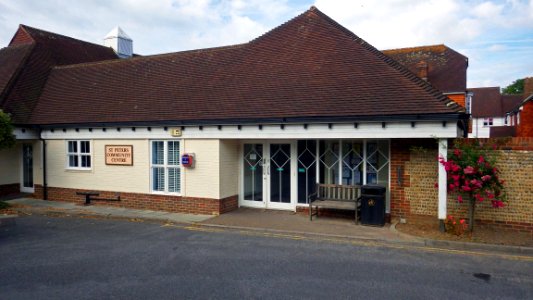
(120, 155)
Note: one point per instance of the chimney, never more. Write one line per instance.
(528, 86)
(422, 70)
(120, 42)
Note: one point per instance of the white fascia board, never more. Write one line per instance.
(26, 134)
(369, 130)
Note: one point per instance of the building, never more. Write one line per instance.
(520, 116)
(489, 112)
(497, 115)
(257, 124)
(441, 66)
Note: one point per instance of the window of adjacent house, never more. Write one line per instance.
(165, 167)
(487, 122)
(79, 155)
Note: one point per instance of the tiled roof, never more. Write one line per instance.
(47, 50)
(489, 102)
(11, 61)
(308, 67)
(486, 102)
(509, 102)
(446, 67)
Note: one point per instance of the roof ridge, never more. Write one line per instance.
(392, 63)
(147, 57)
(418, 47)
(26, 27)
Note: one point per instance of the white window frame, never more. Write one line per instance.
(79, 154)
(165, 166)
(487, 122)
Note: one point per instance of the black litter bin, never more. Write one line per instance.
(373, 205)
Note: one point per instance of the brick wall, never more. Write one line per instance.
(169, 203)
(525, 128)
(420, 197)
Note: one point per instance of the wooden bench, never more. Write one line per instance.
(335, 196)
(93, 196)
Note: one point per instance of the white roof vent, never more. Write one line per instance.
(120, 42)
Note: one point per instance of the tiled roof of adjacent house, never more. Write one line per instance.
(446, 67)
(509, 102)
(309, 67)
(489, 102)
(486, 102)
(42, 51)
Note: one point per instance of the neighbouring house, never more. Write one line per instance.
(520, 116)
(206, 131)
(489, 110)
(441, 66)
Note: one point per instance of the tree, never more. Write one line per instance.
(515, 88)
(471, 173)
(7, 139)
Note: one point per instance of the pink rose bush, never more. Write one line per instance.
(472, 175)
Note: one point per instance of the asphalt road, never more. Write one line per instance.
(72, 258)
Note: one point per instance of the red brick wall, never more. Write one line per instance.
(169, 203)
(525, 128)
(9, 189)
(399, 205)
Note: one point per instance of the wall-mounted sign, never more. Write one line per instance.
(175, 132)
(120, 155)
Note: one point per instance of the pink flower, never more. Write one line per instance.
(462, 221)
(460, 199)
(457, 152)
(486, 178)
(455, 168)
(469, 170)
(481, 159)
(497, 203)
(478, 197)
(466, 188)
(436, 185)
(456, 178)
(451, 186)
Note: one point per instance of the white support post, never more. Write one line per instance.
(443, 185)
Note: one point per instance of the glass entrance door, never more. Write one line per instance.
(268, 176)
(280, 176)
(254, 176)
(27, 169)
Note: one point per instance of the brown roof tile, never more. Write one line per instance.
(48, 50)
(11, 61)
(486, 102)
(308, 67)
(446, 68)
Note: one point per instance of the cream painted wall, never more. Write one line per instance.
(10, 165)
(211, 177)
(202, 181)
(229, 167)
(134, 179)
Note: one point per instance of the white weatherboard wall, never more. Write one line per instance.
(202, 181)
(9, 165)
(134, 179)
(229, 168)
(480, 131)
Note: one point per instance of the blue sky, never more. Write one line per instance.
(497, 36)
